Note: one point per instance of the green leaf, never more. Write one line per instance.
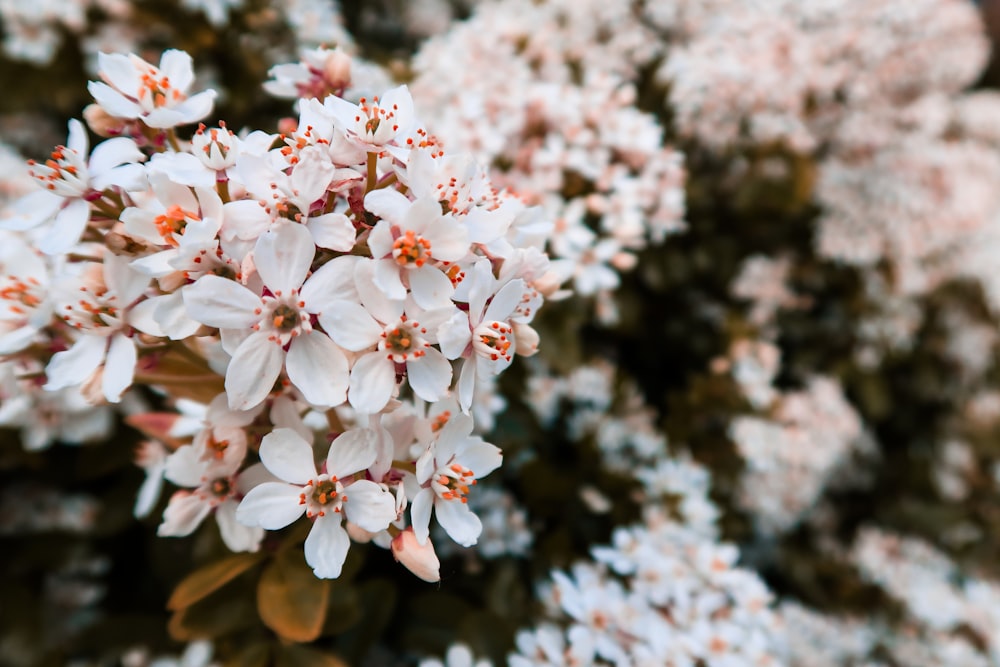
(210, 578)
(291, 600)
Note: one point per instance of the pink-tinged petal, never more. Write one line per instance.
(351, 452)
(454, 335)
(109, 154)
(430, 375)
(77, 139)
(333, 231)
(451, 438)
(480, 457)
(505, 301)
(318, 368)
(372, 380)
(467, 383)
(380, 239)
(461, 524)
(369, 506)
(235, 535)
(177, 66)
(67, 228)
(185, 467)
(420, 514)
(117, 69)
(253, 370)
(326, 547)
(271, 505)
(220, 302)
(185, 512)
(419, 559)
(331, 282)
(283, 255)
(73, 366)
(119, 369)
(430, 287)
(390, 204)
(113, 102)
(383, 282)
(287, 456)
(350, 325)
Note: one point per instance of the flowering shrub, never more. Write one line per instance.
(499, 332)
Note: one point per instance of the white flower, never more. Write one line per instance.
(410, 242)
(69, 180)
(325, 497)
(399, 340)
(25, 306)
(447, 470)
(377, 124)
(157, 96)
(264, 325)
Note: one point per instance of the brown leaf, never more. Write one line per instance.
(291, 600)
(209, 578)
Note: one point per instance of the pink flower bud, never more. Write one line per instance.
(526, 339)
(337, 69)
(102, 123)
(419, 559)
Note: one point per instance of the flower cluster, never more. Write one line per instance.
(346, 268)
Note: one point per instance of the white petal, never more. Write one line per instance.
(467, 384)
(235, 535)
(185, 512)
(119, 368)
(380, 239)
(287, 456)
(372, 381)
(451, 437)
(351, 452)
(112, 101)
(481, 458)
(283, 255)
(431, 288)
(461, 524)
(318, 368)
(177, 66)
(505, 301)
(430, 375)
(389, 204)
(420, 514)
(271, 505)
(331, 282)
(149, 493)
(455, 335)
(333, 230)
(253, 370)
(184, 467)
(326, 547)
(67, 229)
(73, 366)
(223, 303)
(369, 506)
(350, 325)
(386, 278)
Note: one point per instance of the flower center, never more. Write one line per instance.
(172, 223)
(283, 318)
(403, 341)
(440, 421)
(493, 340)
(410, 250)
(19, 294)
(221, 487)
(155, 91)
(323, 495)
(452, 482)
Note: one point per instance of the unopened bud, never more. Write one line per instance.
(102, 123)
(337, 69)
(358, 534)
(419, 559)
(526, 339)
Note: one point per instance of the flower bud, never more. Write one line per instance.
(102, 123)
(419, 559)
(526, 339)
(337, 69)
